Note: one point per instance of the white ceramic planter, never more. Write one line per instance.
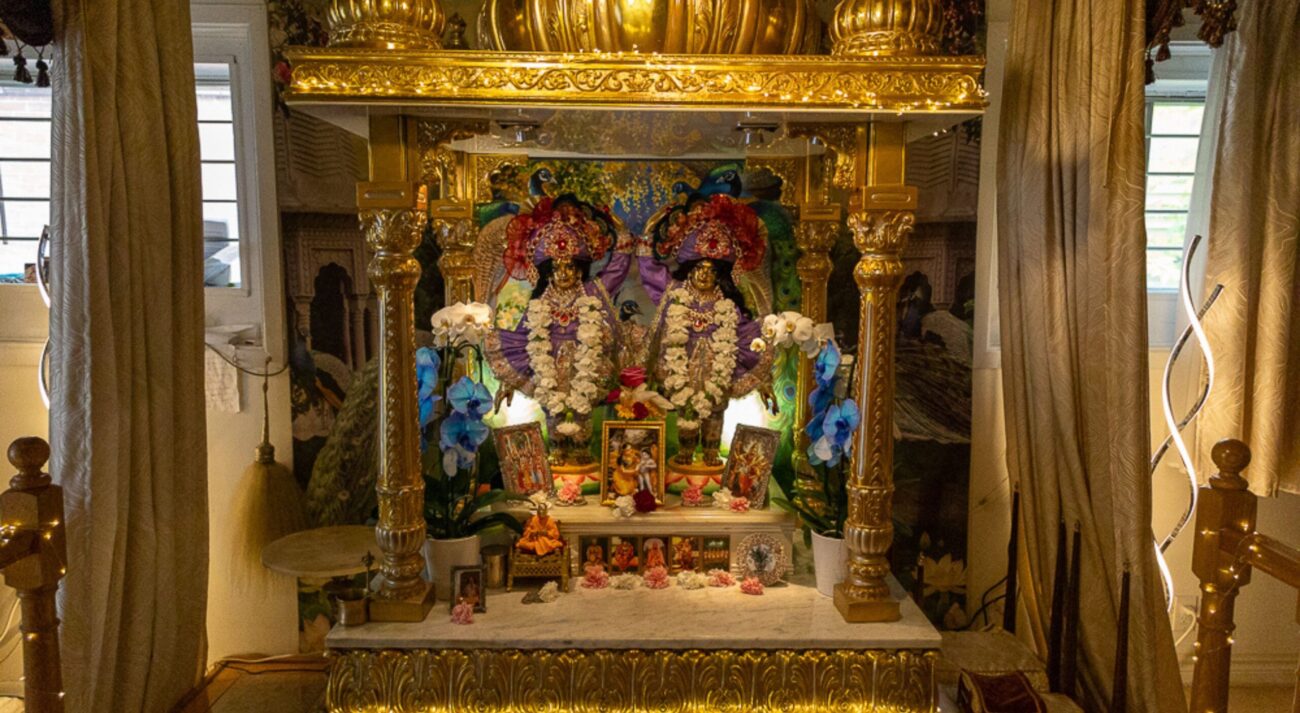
(830, 562)
(441, 556)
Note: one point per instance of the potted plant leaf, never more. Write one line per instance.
(451, 433)
(832, 420)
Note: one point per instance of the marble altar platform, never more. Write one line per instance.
(640, 650)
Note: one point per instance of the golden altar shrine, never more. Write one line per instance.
(712, 79)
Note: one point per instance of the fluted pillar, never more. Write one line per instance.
(453, 228)
(881, 219)
(393, 217)
(815, 236)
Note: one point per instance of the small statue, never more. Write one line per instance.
(541, 533)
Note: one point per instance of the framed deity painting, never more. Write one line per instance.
(467, 586)
(594, 550)
(624, 555)
(654, 553)
(749, 466)
(522, 454)
(632, 459)
(684, 554)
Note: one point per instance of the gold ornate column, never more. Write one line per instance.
(393, 216)
(453, 225)
(815, 235)
(881, 219)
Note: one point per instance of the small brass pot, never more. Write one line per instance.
(665, 26)
(350, 605)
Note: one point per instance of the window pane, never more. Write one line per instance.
(1169, 192)
(24, 139)
(220, 221)
(15, 256)
(24, 219)
(1183, 119)
(1172, 155)
(25, 179)
(24, 100)
(217, 142)
(1166, 230)
(212, 87)
(220, 263)
(1164, 269)
(219, 182)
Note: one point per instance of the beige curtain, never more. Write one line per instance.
(127, 419)
(1072, 290)
(1254, 328)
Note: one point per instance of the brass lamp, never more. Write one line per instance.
(386, 24)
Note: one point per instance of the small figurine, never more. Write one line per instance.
(462, 613)
(541, 534)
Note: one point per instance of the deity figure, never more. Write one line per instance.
(624, 558)
(654, 554)
(541, 534)
(560, 352)
(705, 341)
(685, 555)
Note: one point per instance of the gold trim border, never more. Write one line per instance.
(601, 80)
(618, 681)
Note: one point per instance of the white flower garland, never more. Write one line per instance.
(717, 387)
(589, 359)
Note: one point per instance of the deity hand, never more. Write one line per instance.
(504, 394)
(769, 399)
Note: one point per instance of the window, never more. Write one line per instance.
(1173, 134)
(220, 182)
(24, 177)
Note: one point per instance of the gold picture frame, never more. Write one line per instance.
(619, 477)
(521, 450)
(750, 462)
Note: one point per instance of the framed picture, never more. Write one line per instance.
(684, 554)
(716, 553)
(763, 556)
(654, 553)
(624, 555)
(593, 549)
(522, 454)
(632, 459)
(749, 466)
(467, 585)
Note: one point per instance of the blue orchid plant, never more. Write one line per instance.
(832, 421)
(452, 420)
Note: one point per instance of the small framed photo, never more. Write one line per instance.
(763, 556)
(749, 465)
(632, 459)
(467, 586)
(654, 553)
(594, 550)
(624, 555)
(522, 453)
(716, 553)
(684, 554)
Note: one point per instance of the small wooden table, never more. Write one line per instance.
(322, 553)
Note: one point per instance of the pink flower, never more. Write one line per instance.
(751, 585)
(462, 613)
(740, 505)
(570, 493)
(693, 495)
(283, 72)
(632, 377)
(596, 578)
(656, 578)
(720, 578)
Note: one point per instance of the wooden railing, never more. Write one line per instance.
(33, 558)
(1227, 549)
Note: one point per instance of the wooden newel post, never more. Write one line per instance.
(1224, 505)
(33, 553)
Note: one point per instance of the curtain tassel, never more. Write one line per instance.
(42, 73)
(21, 73)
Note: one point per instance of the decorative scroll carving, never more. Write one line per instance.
(439, 163)
(720, 82)
(880, 236)
(393, 234)
(609, 681)
(841, 158)
(789, 170)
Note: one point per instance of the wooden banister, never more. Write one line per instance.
(1225, 552)
(33, 558)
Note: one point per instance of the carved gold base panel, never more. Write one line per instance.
(615, 681)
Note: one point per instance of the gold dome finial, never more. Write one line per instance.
(386, 24)
(887, 28)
